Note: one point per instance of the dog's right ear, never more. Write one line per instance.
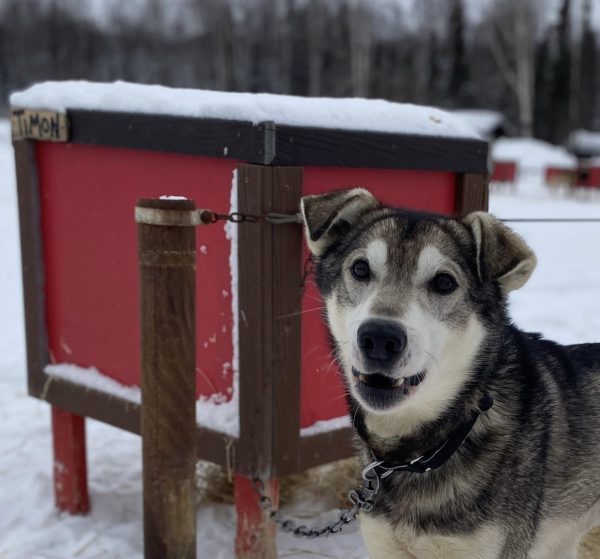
(327, 217)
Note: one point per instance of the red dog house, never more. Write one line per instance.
(561, 176)
(270, 402)
(504, 171)
(589, 173)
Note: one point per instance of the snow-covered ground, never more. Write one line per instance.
(562, 300)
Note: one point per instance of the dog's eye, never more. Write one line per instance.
(360, 270)
(443, 283)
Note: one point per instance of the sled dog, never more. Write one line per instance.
(485, 439)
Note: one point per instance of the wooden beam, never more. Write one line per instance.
(230, 139)
(32, 259)
(327, 447)
(268, 143)
(287, 322)
(376, 150)
(255, 268)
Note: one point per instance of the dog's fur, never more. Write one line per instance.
(526, 482)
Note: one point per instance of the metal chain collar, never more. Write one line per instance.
(364, 497)
(361, 499)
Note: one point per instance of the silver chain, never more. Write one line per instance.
(361, 499)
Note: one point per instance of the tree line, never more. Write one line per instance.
(541, 76)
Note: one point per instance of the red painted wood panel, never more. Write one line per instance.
(504, 171)
(88, 196)
(589, 177)
(594, 177)
(322, 392)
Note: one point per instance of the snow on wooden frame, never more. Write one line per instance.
(372, 115)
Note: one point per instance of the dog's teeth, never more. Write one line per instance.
(362, 378)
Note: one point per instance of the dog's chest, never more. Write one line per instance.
(485, 543)
(402, 542)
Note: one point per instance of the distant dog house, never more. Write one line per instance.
(504, 171)
(533, 160)
(488, 124)
(270, 401)
(589, 173)
(561, 176)
(584, 143)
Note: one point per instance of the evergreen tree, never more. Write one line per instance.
(587, 71)
(543, 110)
(459, 72)
(434, 70)
(561, 90)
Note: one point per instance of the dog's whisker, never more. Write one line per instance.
(300, 312)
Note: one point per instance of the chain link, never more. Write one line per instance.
(208, 217)
(361, 499)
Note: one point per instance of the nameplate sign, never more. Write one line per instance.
(30, 124)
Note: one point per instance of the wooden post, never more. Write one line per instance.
(472, 193)
(255, 534)
(167, 295)
(270, 272)
(70, 471)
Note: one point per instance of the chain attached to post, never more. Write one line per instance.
(192, 218)
(208, 217)
(361, 499)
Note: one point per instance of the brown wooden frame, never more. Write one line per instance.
(267, 143)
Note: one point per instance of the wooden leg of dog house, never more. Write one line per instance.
(70, 470)
(167, 296)
(255, 536)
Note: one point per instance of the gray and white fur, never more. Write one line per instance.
(416, 305)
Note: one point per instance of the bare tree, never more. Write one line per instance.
(316, 19)
(360, 27)
(512, 42)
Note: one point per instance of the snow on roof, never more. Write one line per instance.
(483, 121)
(584, 141)
(373, 115)
(527, 152)
(591, 162)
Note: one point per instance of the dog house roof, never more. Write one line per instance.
(279, 129)
(529, 152)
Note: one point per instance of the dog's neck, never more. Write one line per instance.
(426, 438)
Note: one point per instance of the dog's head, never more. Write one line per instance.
(409, 296)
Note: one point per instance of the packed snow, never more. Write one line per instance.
(584, 142)
(484, 122)
(374, 115)
(562, 300)
(531, 153)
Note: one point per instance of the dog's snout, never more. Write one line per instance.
(381, 341)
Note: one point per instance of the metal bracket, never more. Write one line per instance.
(169, 218)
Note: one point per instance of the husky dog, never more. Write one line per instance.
(416, 305)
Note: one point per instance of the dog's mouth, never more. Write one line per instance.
(382, 391)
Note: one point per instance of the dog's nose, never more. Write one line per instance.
(381, 341)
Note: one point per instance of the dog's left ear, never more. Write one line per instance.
(502, 255)
(328, 217)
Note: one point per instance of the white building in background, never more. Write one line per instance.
(488, 124)
(584, 143)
